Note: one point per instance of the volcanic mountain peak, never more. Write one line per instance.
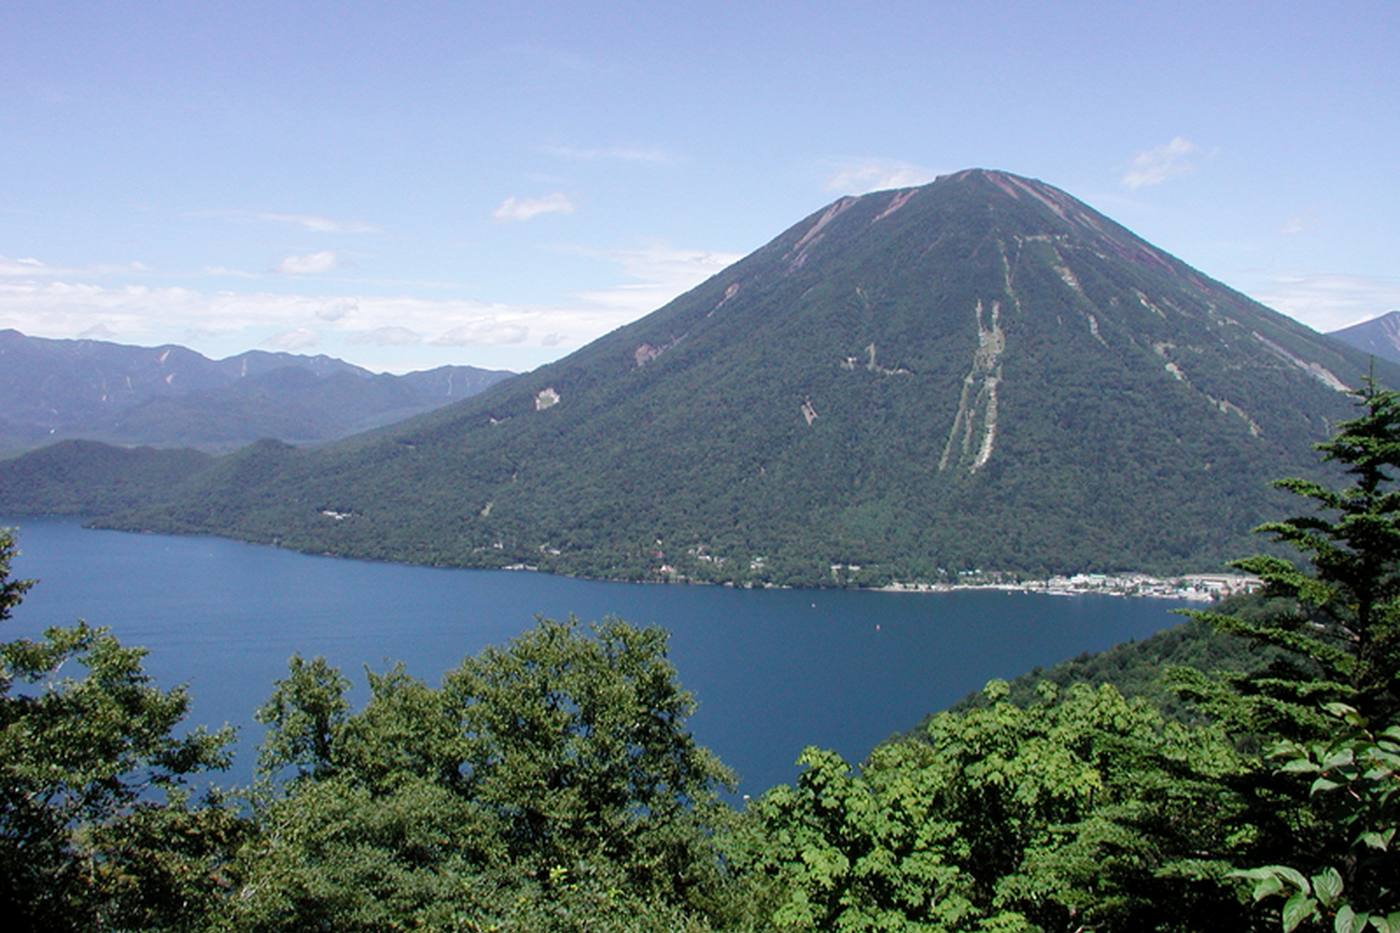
(1018, 207)
(982, 372)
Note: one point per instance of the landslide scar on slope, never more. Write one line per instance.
(797, 256)
(1319, 372)
(896, 202)
(978, 402)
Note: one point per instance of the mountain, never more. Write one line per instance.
(982, 373)
(171, 395)
(77, 477)
(1379, 336)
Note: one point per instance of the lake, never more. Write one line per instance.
(773, 670)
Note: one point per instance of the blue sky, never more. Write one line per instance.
(411, 184)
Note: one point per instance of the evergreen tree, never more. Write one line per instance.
(1327, 706)
(1337, 622)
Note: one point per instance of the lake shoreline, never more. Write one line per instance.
(1203, 588)
(1198, 587)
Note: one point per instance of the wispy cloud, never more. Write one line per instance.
(29, 267)
(1154, 166)
(860, 176)
(316, 223)
(319, 224)
(337, 309)
(224, 272)
(513, 208)
(309, 264)
(140, 314)
(654, 275)
(1330, 301)
(299, 338)
(648, 154)
(484, 331)
(647, 277)
(1292, 226)
(388, 336)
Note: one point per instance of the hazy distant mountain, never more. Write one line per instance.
(1379, 336)
(170, 395)
(979, 373)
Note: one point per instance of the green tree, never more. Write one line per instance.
(1359, 768)
(303, 713)
(96, 826)
(1082, 810)
(543, 783)
(1333, 629)
(578, 745)
(1337, 622)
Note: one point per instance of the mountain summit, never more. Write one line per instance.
(1379, 336)
(980, 373)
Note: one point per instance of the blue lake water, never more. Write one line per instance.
(773, 670)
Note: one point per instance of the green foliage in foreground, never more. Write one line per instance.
(96, 828)
(557, 769)
(552, 784)
(1083, 810)
(1360, 769)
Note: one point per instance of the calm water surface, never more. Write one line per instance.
(773, 670)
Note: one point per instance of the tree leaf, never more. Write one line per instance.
(1298, 908)
(1348, 921)
(1268, 887)
(1327, 885)
(1376, 840)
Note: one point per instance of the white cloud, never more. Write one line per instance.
(648, 276)
(1154, 166)
(513, 208)
(1330, 301)
(297, 339)
(388, 336)
(486, 331)
(861, 176)
(309, 264)
(227, 273)
(648, 154)
(316, 223)
(1292, 226)
(656, 274)
(29, 267)
(337, 309)
(26, 265)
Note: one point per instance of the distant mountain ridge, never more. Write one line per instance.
(173, 396)
(982, 373)
(1379, 336)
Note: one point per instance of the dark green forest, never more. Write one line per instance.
(1240, 773)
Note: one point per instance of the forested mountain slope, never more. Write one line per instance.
(979, 373)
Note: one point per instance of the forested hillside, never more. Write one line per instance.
(552, 784)
(981, 373)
